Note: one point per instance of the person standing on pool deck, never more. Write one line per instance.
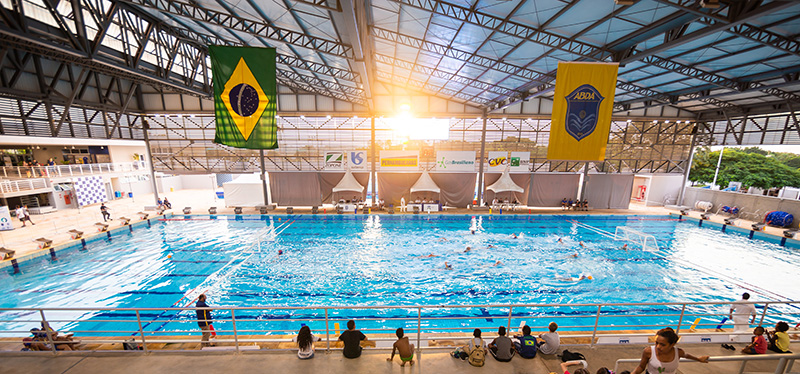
(204, 319)
(352, 340)
(740, 312)
(664, 356)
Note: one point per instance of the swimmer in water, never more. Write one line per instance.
(574, 255)
(513, 236)
(442, 239)
(498, 263)
(468, 249)
(625, 247)
(429, 255)
(489, 246)
(447, 266)
(472, 232)
(573, 279)
(280, 252)
(580, 243)
(560, 241)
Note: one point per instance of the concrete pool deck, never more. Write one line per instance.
(436, 361)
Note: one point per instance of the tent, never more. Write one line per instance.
(506, 185)
(244, 191)
(348, 184)
(425, 184)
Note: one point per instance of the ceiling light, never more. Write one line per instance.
(629, 121)
(529, 119)
(73, 147)
(655, 121)
(328, 117)
(504, 119)
(355, 117)
(302, 117)
(667, 121)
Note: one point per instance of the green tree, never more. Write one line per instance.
(752, 169)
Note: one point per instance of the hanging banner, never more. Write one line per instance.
(450, 161)
(582, 106)
(357, 160)
(5, 219)
(245, 93)
(334, 160)
(399, 161)
(518, 162)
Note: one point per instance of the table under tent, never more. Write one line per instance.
(346, 187)
(505, 192)
(425, 189)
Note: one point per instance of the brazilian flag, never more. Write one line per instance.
(245, 96)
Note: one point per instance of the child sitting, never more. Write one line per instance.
(779, 339)
(759, 344)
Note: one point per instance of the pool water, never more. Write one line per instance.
(384, 260)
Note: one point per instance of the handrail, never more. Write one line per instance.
(9, 186)
(783, 359)
(417, 319)
(59, 171)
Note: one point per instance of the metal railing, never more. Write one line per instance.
(785, 361)
(241, 326)
(60, 171)
(10, 186)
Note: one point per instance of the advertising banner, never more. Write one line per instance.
(5, 219)
(334, 160)
(451, 161)
(357, 160)
(518, 162)
(399, 161)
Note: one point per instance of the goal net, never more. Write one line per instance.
(646, 241)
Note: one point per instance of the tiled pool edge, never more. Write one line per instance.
(750, 233)
(53, 251)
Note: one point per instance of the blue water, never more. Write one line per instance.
(379, 260)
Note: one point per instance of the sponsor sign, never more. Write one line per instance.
(455, 161)
(400, 160)
(518, 162)
(334, 160)
(5, 219)
(357, 160)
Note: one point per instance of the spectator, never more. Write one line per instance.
(104, 211)
(581, 370)
(204, 319)
(352, 340)
(664, 356)
(779, 339)
(527, 345)
(501, 347)
(740, 311)
(551, 340)
(167, 203)
(305, 341)
(403, 348)
(758, 344)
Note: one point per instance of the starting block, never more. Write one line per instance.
(125, 221)
(75, 234)
(101, 227)
(43, 243)
(143, 215)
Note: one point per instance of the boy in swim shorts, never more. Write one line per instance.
(403, 348)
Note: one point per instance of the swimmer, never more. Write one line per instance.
(498, 263)
(513, 236)
(429, 255)
(573, 279)
(472, 232)
(574, 255)
(625, 247)
(489, 246)
(560, 241)
(580, 243)
(280, 252)
(442, 239)
(468, 249)
(447, 266)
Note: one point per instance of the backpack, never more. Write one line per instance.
(571, 356)
(477, 355)
(130, 345)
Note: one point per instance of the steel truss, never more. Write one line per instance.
(184, 144)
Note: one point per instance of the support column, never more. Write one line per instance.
(145, 127)
(687, 169)
(372, 172)
(582, 191)
(263, 177)
(480, 160)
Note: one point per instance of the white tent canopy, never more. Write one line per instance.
(505, 184)
(245, 191)
(425, 184)
(348, 184)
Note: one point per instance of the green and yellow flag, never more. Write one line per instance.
(582, 106)
(245, 96)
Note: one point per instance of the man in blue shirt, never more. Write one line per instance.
(527, 344)
(204, 319)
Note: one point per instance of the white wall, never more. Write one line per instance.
(121, 153)
(662, 185)
(199, 181)
(166, 182)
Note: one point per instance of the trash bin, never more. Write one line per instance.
(220, 194)
(117, 194)
(130, 194)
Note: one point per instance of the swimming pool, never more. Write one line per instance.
(373, 260)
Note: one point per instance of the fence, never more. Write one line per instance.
(59, 171)
(785, 361)
(583, 324)
(8, 186)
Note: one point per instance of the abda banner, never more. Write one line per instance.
(453, 161)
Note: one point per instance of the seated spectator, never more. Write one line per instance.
(581, 370)
(758, 344)
(305, 341)
(551, 340)
(779, 339)
(564, 204)
(664, 356)
(352, 340)
(403, 348)
(501, 347)
(167, 203)
(570, 204)
(527, 345)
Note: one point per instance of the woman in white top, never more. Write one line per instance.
(664, 356)
(305, 341)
